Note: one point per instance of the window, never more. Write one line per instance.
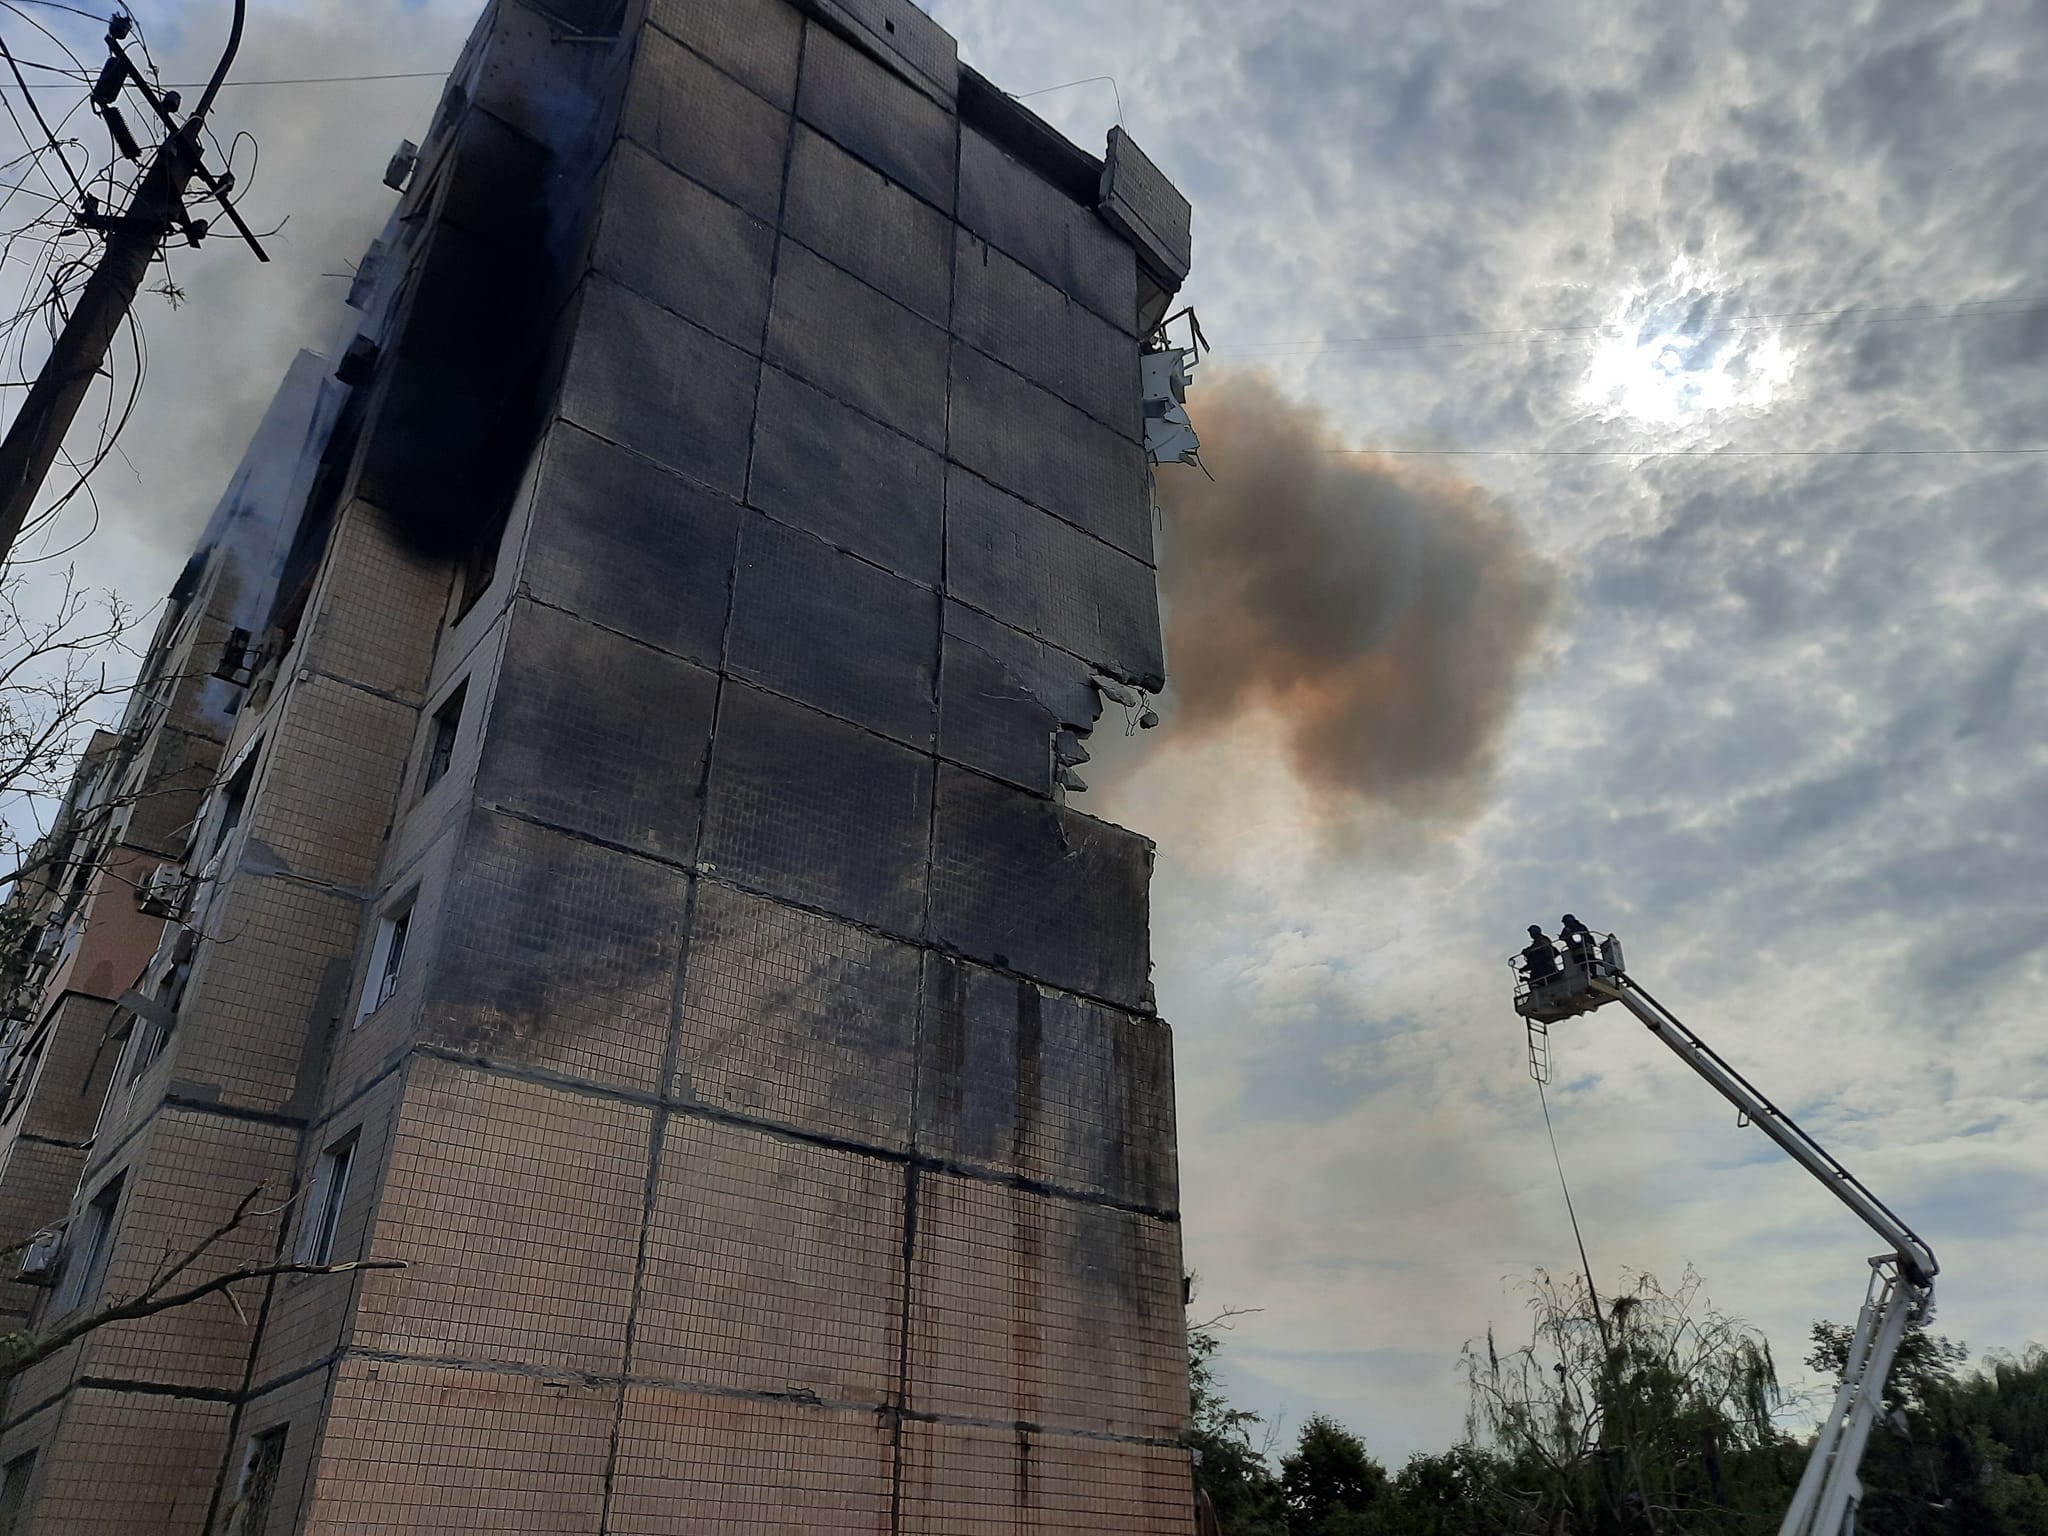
(479, 566)
(323, 1202)
(155, 1024)
(387, 957)
(233, 798)
(250, 1512)
(441, 738)
(14, 1493)
(89, 1247)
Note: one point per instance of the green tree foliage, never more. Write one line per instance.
(1650, 1415)
(1229, 1466)
(1328, 1482)
(1959, 1453)
(1925, 1365)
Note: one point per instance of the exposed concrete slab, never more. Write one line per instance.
(818, 811)
(835, 632)
(1003, 694)
(1147, 209)
(823, 466)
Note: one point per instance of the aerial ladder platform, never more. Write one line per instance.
(1559, 979)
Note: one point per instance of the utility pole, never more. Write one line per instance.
(134, 238)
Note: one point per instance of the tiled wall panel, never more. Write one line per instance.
(1045, 1311)
(798, 1020)
(772, 1266)
(761, 1469)
(516, 1210)
(414, 1448)
(557, 953)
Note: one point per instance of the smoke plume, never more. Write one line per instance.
(1377, 615)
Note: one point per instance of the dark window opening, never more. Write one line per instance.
(441, 738)
(324, 1200)
(156, 1033)
(250, 1512)
(479, 567)
(14, 1493)
(234, 799)
(89, 1250)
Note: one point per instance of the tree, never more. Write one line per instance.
(1328, 1482)
(1958, 1453)
(20, 1350)
(54, 676)
(1925, 1364)
(1229, 1467)
(1654, 1415)
(1457, 1493)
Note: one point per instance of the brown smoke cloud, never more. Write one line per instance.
(1378, 615)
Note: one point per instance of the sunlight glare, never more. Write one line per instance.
(1678, 349)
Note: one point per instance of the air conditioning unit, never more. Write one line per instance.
(163, 891)
(39, 1258)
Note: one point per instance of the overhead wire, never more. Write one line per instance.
(60, 264)
(242, 85)
(1880, 314)
(1665, 453)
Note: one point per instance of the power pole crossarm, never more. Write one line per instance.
(38, 429)
(134, 237)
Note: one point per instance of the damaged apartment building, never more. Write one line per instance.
(593, 844)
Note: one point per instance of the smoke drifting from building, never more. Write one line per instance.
(1379, 615)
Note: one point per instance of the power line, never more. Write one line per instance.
(241, 85)
(1881, 314)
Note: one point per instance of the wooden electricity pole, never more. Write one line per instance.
(134, 239)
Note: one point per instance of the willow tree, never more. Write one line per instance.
(1649, 1411)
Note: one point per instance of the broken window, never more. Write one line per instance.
(441, 738)
(256, 1491)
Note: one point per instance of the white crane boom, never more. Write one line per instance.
(1558, 980)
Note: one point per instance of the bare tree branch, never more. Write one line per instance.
(148, 1305)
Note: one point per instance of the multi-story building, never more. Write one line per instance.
(635, 889)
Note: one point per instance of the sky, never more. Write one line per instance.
(1656, 298)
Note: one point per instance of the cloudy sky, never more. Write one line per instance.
(1722, 319)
